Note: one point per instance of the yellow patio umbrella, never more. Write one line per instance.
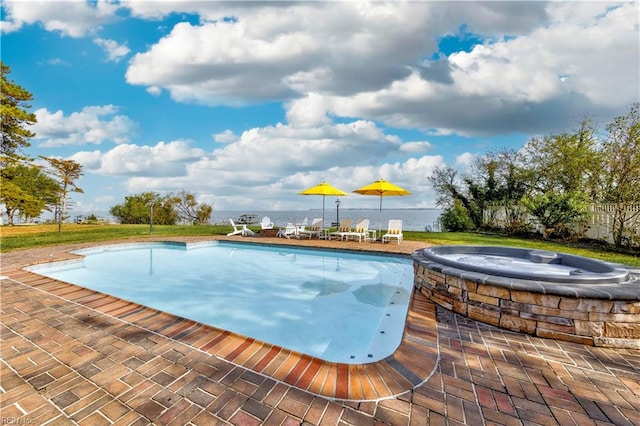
(324, 189)
(382, 188)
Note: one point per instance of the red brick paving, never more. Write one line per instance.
(63, 362)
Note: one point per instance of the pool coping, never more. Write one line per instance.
(412, 363)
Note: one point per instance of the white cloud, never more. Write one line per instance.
(264, 154)
(535, 82)
(308, 111)
(575, 55)
(466, 159)
(272, 53)
(540, 64)
(411, 147)
(161, 160)
(58, 61)
(281, 193)
(92, 125)
(225, 137)
(115, 51)
(262, 159)
(154, 90)
(155, 10)
(71, 18)
(90, 160)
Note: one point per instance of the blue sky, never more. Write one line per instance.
(247, 103)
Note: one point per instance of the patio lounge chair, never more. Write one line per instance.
(360, 231)
(314, 229)
(266, 223)
(343, 228)
(302, 225)
(244, 231)
(290, 230)
(394, 230)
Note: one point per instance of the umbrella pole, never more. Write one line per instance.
(323, 211)
(380, 218)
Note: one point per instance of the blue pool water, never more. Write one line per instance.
(340, 307)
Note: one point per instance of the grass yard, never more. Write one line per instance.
(472, 238)
(29, 236)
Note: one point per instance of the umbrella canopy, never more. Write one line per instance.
(324, 189)
(382, 188)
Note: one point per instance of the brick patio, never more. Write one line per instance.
(71, 356)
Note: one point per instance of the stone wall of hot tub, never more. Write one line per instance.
(510, 304)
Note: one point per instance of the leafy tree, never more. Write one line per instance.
(27, 190)
(13, 117)
(622, 172)
(166, 210)
(189, 210)
(137, 209)
(204, 213)
(66, 172)
(566, 170)
(566, 162)
(503, 181)
(496, 180)
(450, 190)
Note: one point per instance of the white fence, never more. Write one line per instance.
(601, 220)
(598, 223)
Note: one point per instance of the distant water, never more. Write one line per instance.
(412, 219)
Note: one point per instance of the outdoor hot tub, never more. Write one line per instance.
(544, 293)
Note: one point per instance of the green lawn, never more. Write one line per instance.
(23, 237)
(472, 238)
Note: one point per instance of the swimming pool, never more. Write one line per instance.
(337, 306)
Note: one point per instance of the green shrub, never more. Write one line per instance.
(557, 212)
(456, 218)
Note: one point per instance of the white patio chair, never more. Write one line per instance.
(343, 228)
(244, 231)
(302, 225)
(266, 223)
(394, 230)
(314, 229)
(360, 231)
(288, 231)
